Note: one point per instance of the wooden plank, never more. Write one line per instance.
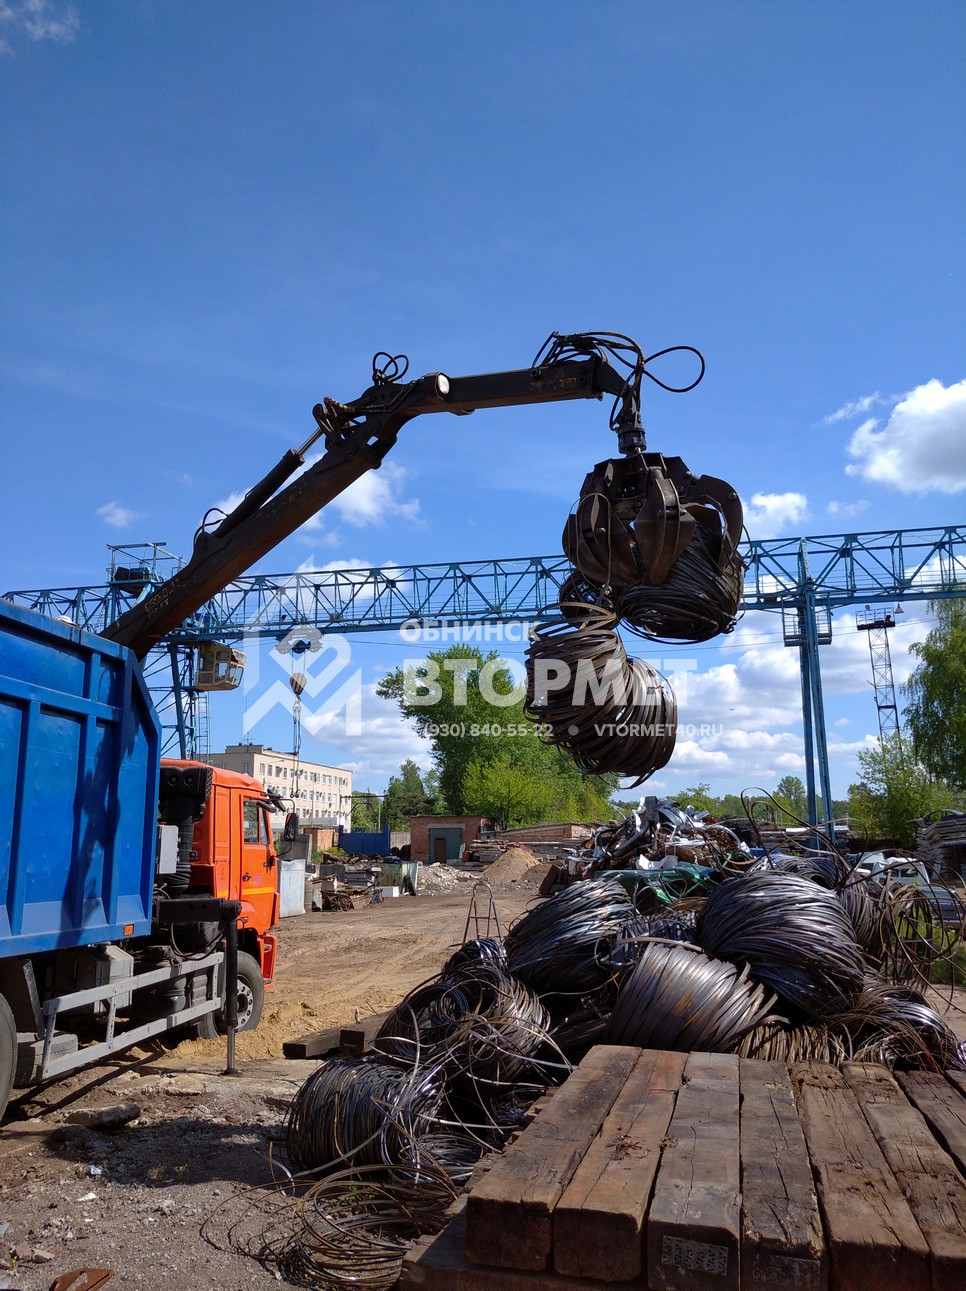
(782, 1246)
(356, 1040)
(943, 1104)
(933, 1187)
(597, 1222)
(351, 1041)
(317, 1045)
(508, 1213)
(873, 1239)
(438, 1264)
(693, 1227)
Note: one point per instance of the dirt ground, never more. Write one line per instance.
(134, 1200)
(155, 1200)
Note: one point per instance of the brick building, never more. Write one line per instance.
(439, 838)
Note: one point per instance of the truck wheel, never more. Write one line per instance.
(8, 1053)
(251, 998)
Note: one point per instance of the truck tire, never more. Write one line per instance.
(8, 1053)
(251, 999)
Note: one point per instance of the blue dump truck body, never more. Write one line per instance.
(79, 765)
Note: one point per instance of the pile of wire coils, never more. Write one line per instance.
(789, 960)
(771, 961)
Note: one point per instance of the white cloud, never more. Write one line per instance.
(922, 446)
(375, 497)
(116, 516)
(847, 508)
(227, 505)
(385, 742)
(37, 20)
(768, 514)
(854, 408)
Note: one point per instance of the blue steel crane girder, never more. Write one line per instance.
(805, 574)
(835, 571)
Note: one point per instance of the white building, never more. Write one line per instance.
(322, 795)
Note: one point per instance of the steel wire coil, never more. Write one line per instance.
(779, 1042)
(698, 600)
(582, 1028)
(795, 937)
(614, 714)
(695, 598)
(915, 933)
(679, 998)
(450, 1153)
(478, 949)
(479, 1021)
(865, 914)
(353, 1229)
(359, 1110)
(898, 1027)
(553, 948)
(625, 949)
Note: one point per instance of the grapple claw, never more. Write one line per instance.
(662, 527)
(660, 544)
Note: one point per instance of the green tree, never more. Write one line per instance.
(698, 797)
(790, 794)
(406, 796)
(465, 703)
(506, 792)
(366, 810)
(936, 691)
(894, 791)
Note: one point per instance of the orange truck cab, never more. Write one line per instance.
(234, 858)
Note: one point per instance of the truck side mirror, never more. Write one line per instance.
(290, 830)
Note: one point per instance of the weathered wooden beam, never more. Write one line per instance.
(351, 1041)
(873, 1239)
(438, 1263)
(693, 1227)
(509, 1211)
(782, 1246)
(943, 1104)
(928, 1177)
(598, 1221)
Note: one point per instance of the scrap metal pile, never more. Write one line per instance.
(660, 830)
(794, 958)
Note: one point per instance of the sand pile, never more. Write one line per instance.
(513, 866)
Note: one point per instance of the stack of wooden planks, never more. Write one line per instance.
(706, 1172)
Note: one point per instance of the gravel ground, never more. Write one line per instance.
(164, 1200)
(155, 1200)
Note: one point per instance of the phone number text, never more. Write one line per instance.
(474, 729)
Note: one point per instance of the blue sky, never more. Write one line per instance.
(214, 213)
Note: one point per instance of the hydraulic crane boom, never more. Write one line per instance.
(357, 437)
